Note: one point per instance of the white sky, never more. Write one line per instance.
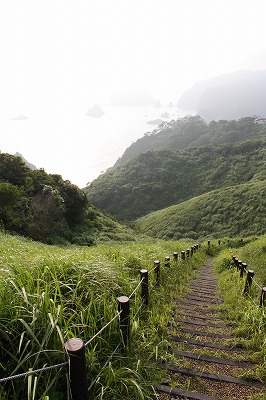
(56, 51)
(59, 57)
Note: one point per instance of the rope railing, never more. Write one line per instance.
(35, 371)
(136, 288)
(242, 267)
(251, 299)
(255, 283)
(138, 310)
(152, 270)
(75, 348)
(102, 329)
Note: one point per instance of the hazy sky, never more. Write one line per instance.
(59, 57)
(56, 51)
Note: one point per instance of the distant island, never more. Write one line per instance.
(229, 96)
(20, 117)
(95, 111)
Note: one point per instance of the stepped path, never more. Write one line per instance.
(208, 364)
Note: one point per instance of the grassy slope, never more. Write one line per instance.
(231, 211)
(244, 312)
(50, 294)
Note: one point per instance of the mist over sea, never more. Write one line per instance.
(76, 146)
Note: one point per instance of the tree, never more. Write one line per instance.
(47, 215)
(9, 199)
(75, 200)
(13, 169)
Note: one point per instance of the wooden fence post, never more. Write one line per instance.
(243, 267)
(263, 297)
(144, 276)
(188, 251)
(239, 267)
(157, 265)
(236, 262)
(175, 256)
(124, 320)
(77, 369)
(192, 250)
(209, 243)
(248, 283)
(183, 255)
(167, 261)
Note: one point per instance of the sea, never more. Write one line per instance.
(77, 146)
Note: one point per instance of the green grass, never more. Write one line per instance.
(50, 294)
(244, 311)
(232, 211)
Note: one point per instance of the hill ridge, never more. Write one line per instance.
(227, 211)
(157, 179)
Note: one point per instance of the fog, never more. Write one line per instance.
(60, 58)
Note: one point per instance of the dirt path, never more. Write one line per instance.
(208, 363)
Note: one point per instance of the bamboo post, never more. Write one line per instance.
(157, 265)
(124, 320)
(263, 297)
(77, 369)
(248, 283)
(144, 276)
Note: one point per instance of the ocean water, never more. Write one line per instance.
(74, 145)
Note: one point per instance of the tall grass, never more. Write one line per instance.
(244, 311)
(50, 294)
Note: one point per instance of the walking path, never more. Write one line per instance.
(208, 362)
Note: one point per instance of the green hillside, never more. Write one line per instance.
(47, 208)
(158, 179)
(193, 132)
(231, 211)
